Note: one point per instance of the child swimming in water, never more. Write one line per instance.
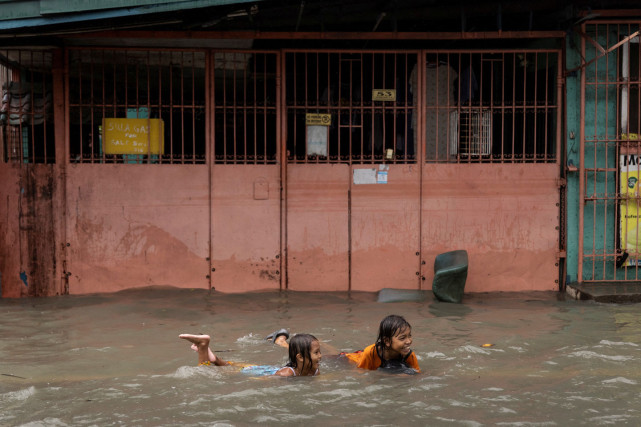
(391, 349)
(304, 355)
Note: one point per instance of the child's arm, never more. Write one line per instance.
(285, 372)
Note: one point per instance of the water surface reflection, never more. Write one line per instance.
(116, 359)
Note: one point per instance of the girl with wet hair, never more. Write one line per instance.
(391, 350)
(304, 356)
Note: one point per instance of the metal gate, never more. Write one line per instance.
(353, 180)
(245, 172)
(609, 152)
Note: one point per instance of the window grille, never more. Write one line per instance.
(159, 96)
(491, 106)
(26, 108)
(471, 133)
(245, 106)
(351, 107)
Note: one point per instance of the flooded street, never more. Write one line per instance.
(115, 359)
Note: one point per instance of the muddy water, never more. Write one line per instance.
(116, 360)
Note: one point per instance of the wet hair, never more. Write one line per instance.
(300, 344)
(388, 328)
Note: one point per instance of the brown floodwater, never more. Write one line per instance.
(115, 359)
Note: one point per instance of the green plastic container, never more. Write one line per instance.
(450, 274)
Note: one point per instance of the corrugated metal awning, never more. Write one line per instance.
(20, 15)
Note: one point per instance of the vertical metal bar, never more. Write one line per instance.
(383, 106)
(373, 111)
(210, 152)
(406, 108)
(581, 163)
(92, 142)
(223, 59)
(420, 144)
(281, 140)
(79, 107)
(606, 144)
(524, 106)
(536, 104)
(558, 139)
(493, 110)
(45, 58)
(449, 110)
(595, 150)
(266, 109)
(513, 154)
(339, 106)
(349, 120)
(193, 108)
(160, 86)
(182, 108)
(479, 140)
(254, 108)
(547, 109)
(362, 106)
(294, 109)
(395, 110)
(618, 202)
(244, 109)
(503, 107)
(32, 129)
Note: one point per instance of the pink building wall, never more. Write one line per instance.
(85, 228)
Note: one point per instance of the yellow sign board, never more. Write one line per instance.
(384, 95)
(629, 167)
(318, 119)
(133, 136)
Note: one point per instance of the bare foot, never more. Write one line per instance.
(282, 341)
(198, 341)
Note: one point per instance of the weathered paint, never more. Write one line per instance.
(504, 215)
(317, 227)
(28, 222)
(573, 146)
(131, 226)
(385, 231)
(192, 225)
(9, 232)
(245, 228)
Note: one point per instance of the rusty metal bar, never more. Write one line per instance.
(281, 136)
(581, 166)
(311, 35)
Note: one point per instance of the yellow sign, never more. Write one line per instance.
(133, 136)
(318, 119)
(384, 95)
(630, 233)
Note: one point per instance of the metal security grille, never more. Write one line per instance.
(26, 109)
(610, 148)
(491, 106)
(153, 103)
(245, 107)
(351, 107)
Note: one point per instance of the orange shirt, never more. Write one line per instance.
(368, 359)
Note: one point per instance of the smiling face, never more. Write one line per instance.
(399, 345)
(311, 364)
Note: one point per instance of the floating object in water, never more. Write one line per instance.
(14, 376)
(487, 345)
(450, 274)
